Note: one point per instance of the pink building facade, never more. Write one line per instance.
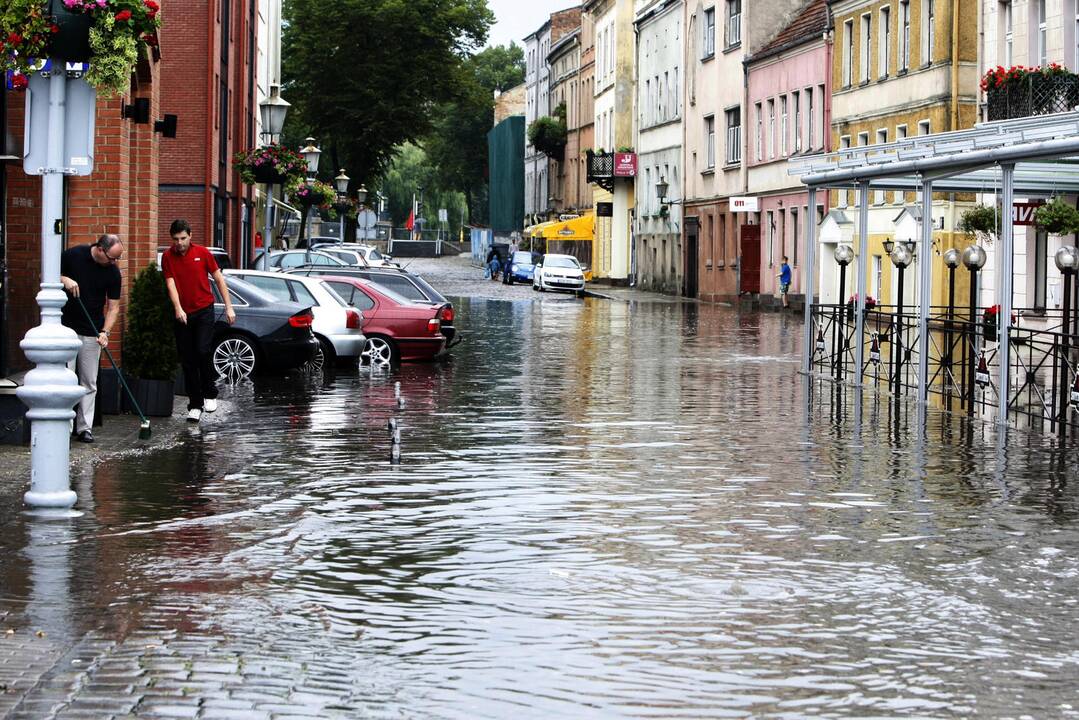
(788, 103)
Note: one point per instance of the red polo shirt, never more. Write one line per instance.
(191, 272)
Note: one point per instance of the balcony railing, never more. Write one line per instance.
(600, 169)
(1033, 95)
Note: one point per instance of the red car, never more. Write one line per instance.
(396, 328)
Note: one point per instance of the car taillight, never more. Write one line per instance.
(354, 320)
(434, 325)
(446, 314)
(302, 319)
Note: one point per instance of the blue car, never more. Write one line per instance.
(522, 266)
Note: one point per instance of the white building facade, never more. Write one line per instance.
(537, 105)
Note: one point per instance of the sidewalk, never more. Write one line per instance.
(117, 436)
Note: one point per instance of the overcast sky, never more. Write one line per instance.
(517, 18)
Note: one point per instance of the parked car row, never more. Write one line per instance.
(306, 317)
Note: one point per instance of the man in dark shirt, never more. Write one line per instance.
(89, 275)
(188, 268)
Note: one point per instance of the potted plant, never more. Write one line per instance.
(548, 134)
(272, 164)
(1057, 217)
(981, 223)
(852, 301)
(990, 321)
(149, 346)
(106, 33)
(312, 194)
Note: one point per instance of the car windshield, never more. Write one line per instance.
(522, 257)
(560, 262)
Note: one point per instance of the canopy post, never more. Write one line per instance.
(809, 276)
(1006, 261)
(925, 290)
(863, 252)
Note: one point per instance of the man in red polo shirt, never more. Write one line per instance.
(188, 268)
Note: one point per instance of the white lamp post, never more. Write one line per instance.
(273, 111)
(341, 181)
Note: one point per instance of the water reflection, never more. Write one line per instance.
(603, 510)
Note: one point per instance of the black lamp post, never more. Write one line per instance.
(843, 255)
(974, 259)
(902, 256)
(1067, 261)
(952, 259)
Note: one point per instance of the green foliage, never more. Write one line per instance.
(457, 144)
(981, 223)
(1057, 217)
(149, 346)
(548, 134)
(364, 76)
(412, 170)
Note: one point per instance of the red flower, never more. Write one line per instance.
(54, 29)
(123, 15)
(152, 6)
(14, 39)
(19, 81)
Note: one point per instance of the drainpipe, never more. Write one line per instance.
(955, 64)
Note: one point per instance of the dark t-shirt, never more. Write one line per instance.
(96, 282)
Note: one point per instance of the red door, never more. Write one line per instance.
(749, 260)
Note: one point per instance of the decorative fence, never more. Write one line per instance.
(964, 361)
(1034, 95)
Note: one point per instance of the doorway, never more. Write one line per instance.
(692, 259)
(749, 260)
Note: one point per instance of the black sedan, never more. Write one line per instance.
(269, 335)
(408, 285)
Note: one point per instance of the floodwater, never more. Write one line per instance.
(603, 510)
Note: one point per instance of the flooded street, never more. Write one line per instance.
(603, 510)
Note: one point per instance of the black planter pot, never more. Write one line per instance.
(266, 174)
(155, 397)
(989, 331)
(72, 42)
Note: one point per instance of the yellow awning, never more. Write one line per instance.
(537, 229)
(582, 228)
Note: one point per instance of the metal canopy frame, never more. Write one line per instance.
(1029, 157)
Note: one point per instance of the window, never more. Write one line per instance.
(863, 139)
(864, 55)
(848, 51)
(771, 128)
(900, 134)
(878, 276)
(760, 132)
(1041, 257)
(734, 22)
(734, 136)
(303, 295)
(923, 127)
(794, 236)
(709, 32)
(1042, 33)
(812, 120)
(884, 41)
(1009, 31)
(710, 141)
(930, 32)
(770, 227)
(274, 286)
(797, 122)
(904, 34)
(783, 125)
(882, 139)
(844, 142)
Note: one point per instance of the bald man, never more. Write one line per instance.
(90, 274)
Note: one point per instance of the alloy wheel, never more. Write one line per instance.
(377, 353)
(234, 359)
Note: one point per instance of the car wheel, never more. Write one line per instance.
(235, 358)
(323, 359)
(509, 280)
(379, 352)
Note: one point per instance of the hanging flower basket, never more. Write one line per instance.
(314, 194)
(852, 302)
(271, 164)
(1057, 217)
(108, 34)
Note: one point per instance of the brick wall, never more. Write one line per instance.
(564, 22)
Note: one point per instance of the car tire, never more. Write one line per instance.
(380, 351)
(235, 358)
(324, 357)
(509, 280)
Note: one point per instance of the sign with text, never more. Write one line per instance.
(80, 106)
(1023, 213)
(745, 204)
(604, 209)
(625, 165)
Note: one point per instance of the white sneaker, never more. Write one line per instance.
(194, 414)
(209, 404)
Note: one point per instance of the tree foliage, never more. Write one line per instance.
(548, 134)
(457, 145)
(412, 172)
(364, 76)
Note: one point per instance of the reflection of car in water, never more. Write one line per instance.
(558, 272)
(522, 266)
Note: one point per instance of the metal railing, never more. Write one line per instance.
(1033, 95)
(963, 363)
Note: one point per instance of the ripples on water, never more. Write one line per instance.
(604, 510)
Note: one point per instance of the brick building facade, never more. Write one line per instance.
(209, 82)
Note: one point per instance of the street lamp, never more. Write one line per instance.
(341, 181)
(661, 190)
(273, 111)
(843, 255)
(952, 258)
(311, 153)
(889, 246)
(902, 256)
(974, 258)
(1067, 262)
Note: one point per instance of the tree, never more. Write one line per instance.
(363, 76)
(412, 172)
(457, 145)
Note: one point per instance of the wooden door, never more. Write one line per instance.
(749, 259)
(692, 264)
